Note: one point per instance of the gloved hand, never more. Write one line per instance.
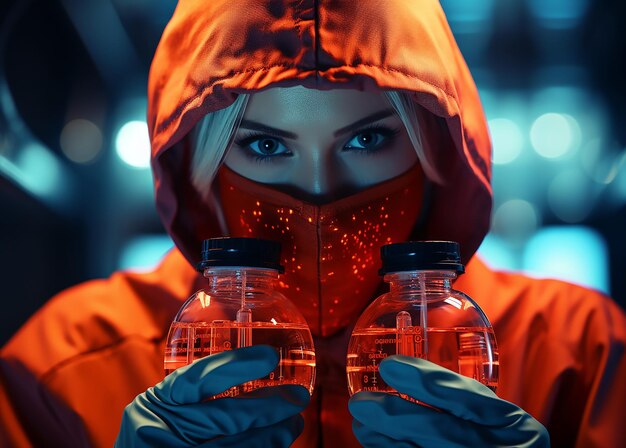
(173, 413)
(470, 415)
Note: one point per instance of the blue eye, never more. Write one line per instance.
(370, 139)
(263, 146)
(365, 140)
(267, 146)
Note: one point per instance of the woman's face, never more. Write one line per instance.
(320, 145)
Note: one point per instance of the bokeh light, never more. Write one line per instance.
(498, 254)
(592, 160)
(464, 11)
(40, 170)
(468, 17)
(507, 140)
(144, 252)
(133, 145)
(570, 196)
(81, 141)
(574, 253)
(515, 218)
(558, 14)
(554, 135)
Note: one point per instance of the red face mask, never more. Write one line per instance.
(331, 252)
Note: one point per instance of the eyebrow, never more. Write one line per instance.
(376, 116)
(256, 126)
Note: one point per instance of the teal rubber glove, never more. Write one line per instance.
(470, 415)
(173, 412)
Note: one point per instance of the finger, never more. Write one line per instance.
(439, 387)
(400, 419)
(281, 434)
(203, 421)
(214, 374)
(368, 437)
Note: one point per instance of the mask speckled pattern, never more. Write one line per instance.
(330, 251)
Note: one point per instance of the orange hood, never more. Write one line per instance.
(213, 50)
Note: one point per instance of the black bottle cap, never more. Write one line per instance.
(421, 256)
(245, 252)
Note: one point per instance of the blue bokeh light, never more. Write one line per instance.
(41, 171)
(559, 14)
(132, 144)
(467, 16)
(468, 11)
(555, 135)
(144, 252)
(498, 254)
(507, 139)
(575, 254)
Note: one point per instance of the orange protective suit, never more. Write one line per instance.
(66, 376)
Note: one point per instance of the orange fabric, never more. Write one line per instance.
(66, 376)
(66, 372)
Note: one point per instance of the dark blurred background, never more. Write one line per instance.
(76, 191)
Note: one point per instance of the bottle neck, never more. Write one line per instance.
(240, 278)
(427, 281)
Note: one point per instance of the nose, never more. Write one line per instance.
(319, 178)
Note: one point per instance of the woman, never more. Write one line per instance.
(334, 110)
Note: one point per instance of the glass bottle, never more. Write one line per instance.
(422, 316)
(238, 308)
